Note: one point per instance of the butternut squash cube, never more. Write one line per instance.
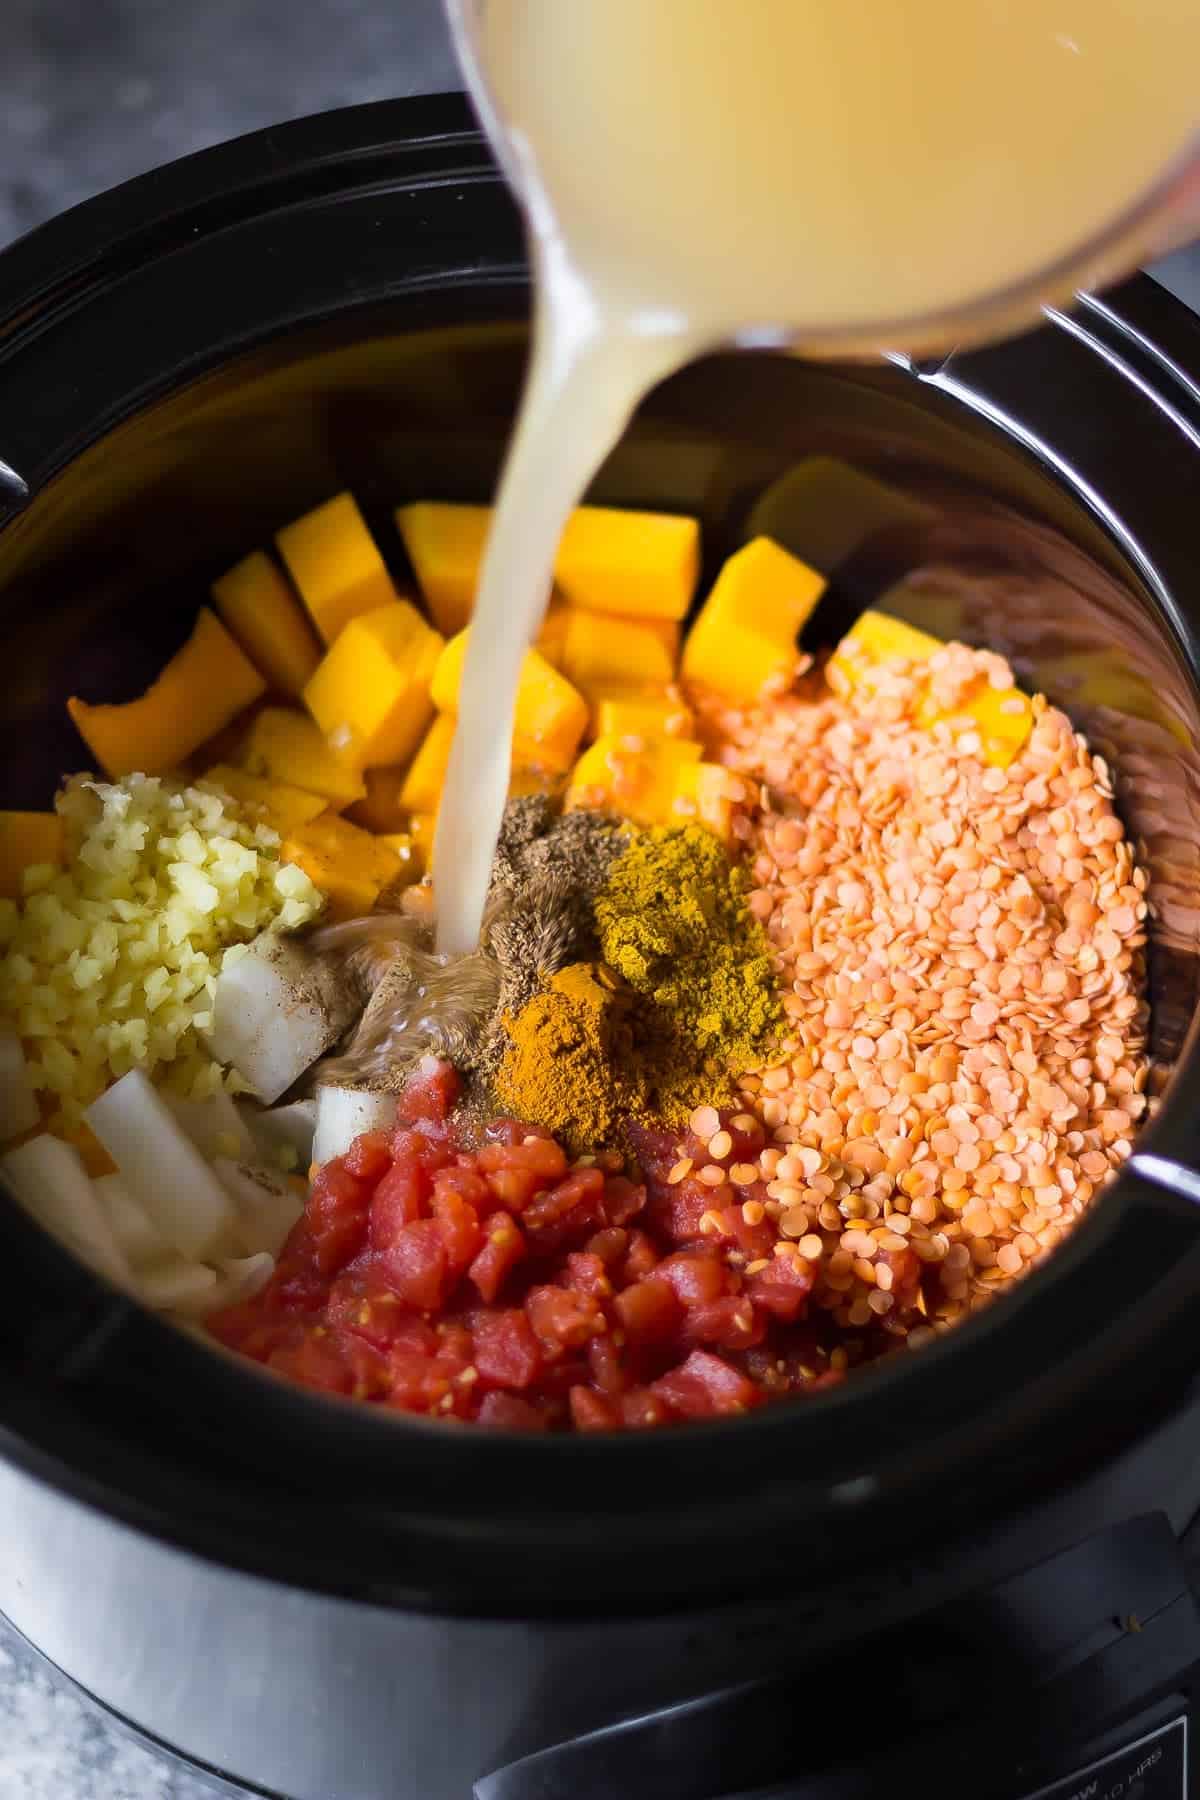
(427, 773)
(638, 784)
(601, 652)
(445, 546)
(551, 638)
(205, 685)
(421, 829)
(257, 604)
(350, 867)
(524, 779)
(1003, 718)
(609, 560)
(407, 853)
(653, 713)
(641, 564)
(551, 716)
(823, 510)
(335, 564)
(381, 810)
(370, 695)
(701, 795)
(28, 840)
(288, 747)
(285, 807)
(876, 639)
(745, 635)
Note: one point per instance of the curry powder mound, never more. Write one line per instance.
(673, 922)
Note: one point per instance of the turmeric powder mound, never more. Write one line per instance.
(673, 922)
(567, 1053)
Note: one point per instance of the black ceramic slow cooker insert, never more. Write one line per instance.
(325, 1604)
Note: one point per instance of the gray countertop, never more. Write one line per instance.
(91, 92)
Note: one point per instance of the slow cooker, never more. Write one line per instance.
(965, 1571)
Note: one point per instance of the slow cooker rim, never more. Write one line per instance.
(124, 214)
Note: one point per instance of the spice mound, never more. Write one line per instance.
(684, 1001)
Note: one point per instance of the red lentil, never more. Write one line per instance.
(961, 949)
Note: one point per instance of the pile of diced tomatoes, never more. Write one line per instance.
(504, 1285)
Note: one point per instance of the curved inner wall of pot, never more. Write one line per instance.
(964, 534)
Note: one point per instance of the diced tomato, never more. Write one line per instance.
(503, 1247)
(454, 1342)
(586, 1273)
(561, 1320)
(641, 1257)
(513, 1189)
(400, 1284)
(906, 1275)
(605, 1365)
(369, 1155)
(431, 1092)
(401, 1198)
(697, 1276)
(465, 1181)
(336, 1215)
(566, 1199)
(783, 1287)
(623, 1199)
(426, 1384)
(426, 1144)
(656, 1148)
(541, 1156)
(703, 1385)
(459, 1225)
(609, 1245)
(641, 1408)
(510, 1413)
(731, 1322)
(361, 1303)
(593, 1412)
(506, 1351)
(649, 1311)
(754, 1240)
(677, 1211)
(415, 1265)
(315, 1361)
(369, 1377)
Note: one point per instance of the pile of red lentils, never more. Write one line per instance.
(961, 951)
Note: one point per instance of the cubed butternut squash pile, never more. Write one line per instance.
(320, 693)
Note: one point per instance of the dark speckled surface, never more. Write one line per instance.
(92, 92)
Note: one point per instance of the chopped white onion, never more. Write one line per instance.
(214, 1125)
(276, 1126)
(163, 1169)
(267, 1204)
(133, 1228)
(179, 1286)
(345, 1113)
(241, 1277)
(18, 1103)
(275, 1011)
(50, 1181)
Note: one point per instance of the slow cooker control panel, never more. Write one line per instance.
(1154, 1766)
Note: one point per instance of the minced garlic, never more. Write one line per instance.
(110, 963)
